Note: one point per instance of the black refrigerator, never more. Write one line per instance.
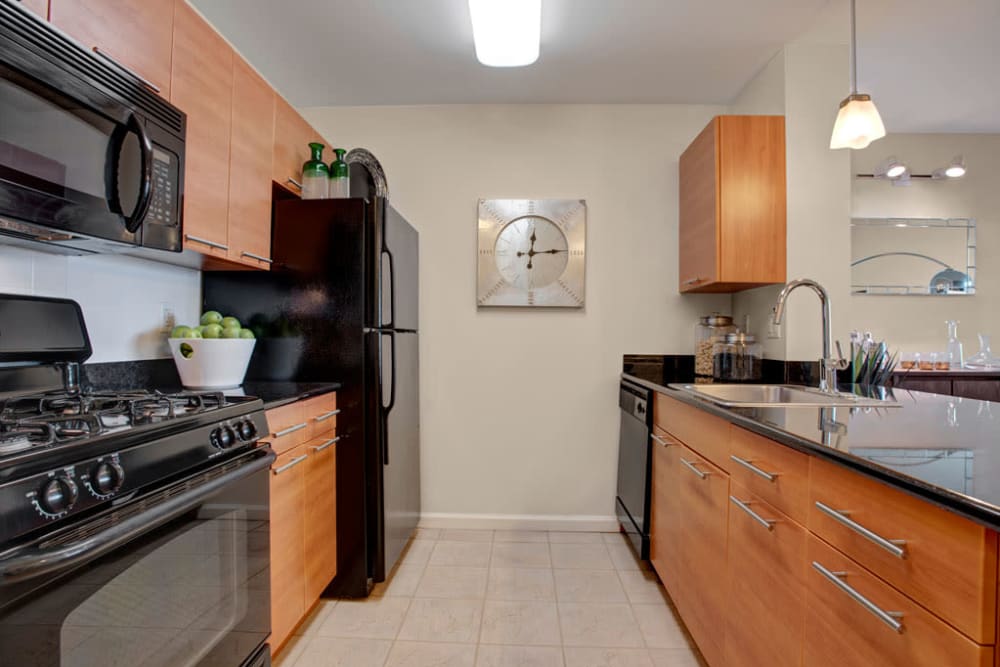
(340, 304)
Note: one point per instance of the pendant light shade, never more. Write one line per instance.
(858, 121)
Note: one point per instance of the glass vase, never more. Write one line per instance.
(315, 175)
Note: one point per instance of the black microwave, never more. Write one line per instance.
(91, 159)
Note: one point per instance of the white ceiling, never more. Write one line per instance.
(930, 66)
(359, 52)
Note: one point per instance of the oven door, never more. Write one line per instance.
(177, 578)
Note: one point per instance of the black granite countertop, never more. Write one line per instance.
(943, 449)
(275, 394)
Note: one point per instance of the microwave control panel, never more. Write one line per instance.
(163, 209)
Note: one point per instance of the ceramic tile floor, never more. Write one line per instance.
(483, 598)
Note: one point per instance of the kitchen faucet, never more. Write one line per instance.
(828, 364)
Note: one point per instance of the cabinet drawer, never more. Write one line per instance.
(843, 630)
(289, 426)
(705, 434)
(778, 474)
(944, 562)
(704, 492)
(321, 413)
(766, 584)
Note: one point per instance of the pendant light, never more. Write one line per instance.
(858, 122)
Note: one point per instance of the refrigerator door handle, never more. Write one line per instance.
(391, 324)
(386, 409)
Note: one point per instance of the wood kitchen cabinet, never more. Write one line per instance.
(288, 507)
(665, 511)
(201, 84)
(733, 205)
(320, 519)
(292, 136)
(137, 34)
(766, 602)
(250, 167)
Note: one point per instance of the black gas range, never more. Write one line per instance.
(134, 526)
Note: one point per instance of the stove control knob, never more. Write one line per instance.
(58, 495)
(225, 438)
(247, 430)
(106, 478)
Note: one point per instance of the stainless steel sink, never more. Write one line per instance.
(778, 395)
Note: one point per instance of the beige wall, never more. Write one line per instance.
(519, 411)
(917, 323)
(819, 194)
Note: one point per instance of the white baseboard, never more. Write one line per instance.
(562, 522)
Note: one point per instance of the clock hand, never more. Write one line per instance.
(549, 252)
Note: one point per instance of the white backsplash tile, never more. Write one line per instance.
(122, 297)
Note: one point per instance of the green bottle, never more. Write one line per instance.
(315, 175)
(340, 180)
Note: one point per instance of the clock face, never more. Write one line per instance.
(531, 252)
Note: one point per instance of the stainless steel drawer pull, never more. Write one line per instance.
(328, 443)
(896, 547)
(290, 429)
(659, 440)
(745, 506)
(294, 182)
(326, 415)
(690, 466)
(769, 476)
(211, 244)
(144, 81)
(890, 618)
(692, 281)
(291, 464)
(266, 260)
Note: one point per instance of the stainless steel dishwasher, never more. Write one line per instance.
(632, 502)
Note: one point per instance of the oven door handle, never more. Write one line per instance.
(30, 562)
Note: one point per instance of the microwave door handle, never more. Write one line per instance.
(133, 124)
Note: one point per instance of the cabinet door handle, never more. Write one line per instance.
(690, 466)
(266, 260)
(890, 618)
(692, 281)
(131, 72)
(291, 464)
(896, 547)
(326, 415)
(748, 464)
(211, 244)
(294, 182)
(290, 429)
(659, 440)
(328, 443)
(745, 506)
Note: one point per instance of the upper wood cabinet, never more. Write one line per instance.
(135, 33)
(250, 167)
(732, 205)
(292, 136)
(201, 84)
(40, 7)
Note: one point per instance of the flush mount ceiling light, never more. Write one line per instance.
(858, 121)
(506, 32)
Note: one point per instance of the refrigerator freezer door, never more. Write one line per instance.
(398, 279)
(400, 447)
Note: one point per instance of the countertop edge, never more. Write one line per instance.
(297, 395)
(975, 510)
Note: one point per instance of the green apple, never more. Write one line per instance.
(211, 317)
(181, 332)
(195, 332)
(230, 323)
(212, 331)
(186, 351)
(246, 333)
(230, 332)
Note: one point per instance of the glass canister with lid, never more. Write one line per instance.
(709, 329)
(737, 357)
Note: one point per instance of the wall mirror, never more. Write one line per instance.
(913, 256)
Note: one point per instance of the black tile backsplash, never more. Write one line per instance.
(668, 368)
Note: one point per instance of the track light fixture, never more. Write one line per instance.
(895, 170)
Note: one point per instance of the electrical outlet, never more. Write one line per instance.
(773, 330)
(167, 318)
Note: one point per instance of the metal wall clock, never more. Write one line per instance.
(531, 252)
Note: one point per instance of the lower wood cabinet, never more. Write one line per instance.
(320, 529)
(665, 511)
(704, 503)
(767, 591)
(288, 505)
(854, 619)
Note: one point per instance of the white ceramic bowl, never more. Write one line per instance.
(212, 363)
